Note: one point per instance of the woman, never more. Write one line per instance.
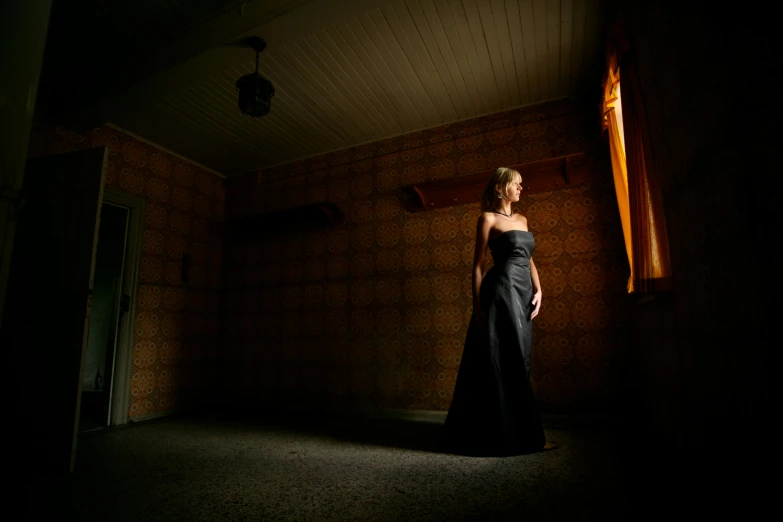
(493, 412)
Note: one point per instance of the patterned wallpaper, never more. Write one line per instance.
(175, 342)
(373, 313)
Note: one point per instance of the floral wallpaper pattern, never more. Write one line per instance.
(176, 338)
(373, 313)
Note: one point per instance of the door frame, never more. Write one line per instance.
(123, 356)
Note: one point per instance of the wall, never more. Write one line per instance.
(23, 28)
(373, 313)
(701, 352)
(699, 371)
(175, 342)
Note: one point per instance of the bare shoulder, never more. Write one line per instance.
(522, 219)
(484, 223)
(486, 217)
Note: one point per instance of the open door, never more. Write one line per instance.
(48, 306)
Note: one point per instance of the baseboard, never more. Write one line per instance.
(282, 409)
(550, 420)
(158, 415)
(434, 416)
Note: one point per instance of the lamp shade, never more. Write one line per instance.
(255, 94)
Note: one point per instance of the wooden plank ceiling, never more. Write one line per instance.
(348, 72)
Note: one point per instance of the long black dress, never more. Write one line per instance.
(493, 411)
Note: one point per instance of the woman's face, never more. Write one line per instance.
(514, 190)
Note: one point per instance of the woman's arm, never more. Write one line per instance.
(537, 294)
(483, 226)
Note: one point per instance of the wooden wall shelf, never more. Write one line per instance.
(316, 215)
(537, 176)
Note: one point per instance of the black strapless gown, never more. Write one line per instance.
(493, 411)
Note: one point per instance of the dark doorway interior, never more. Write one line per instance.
(107, 302)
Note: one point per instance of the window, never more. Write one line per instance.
(635, 179)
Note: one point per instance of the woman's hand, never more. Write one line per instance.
(536, 304)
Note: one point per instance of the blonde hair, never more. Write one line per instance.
(503, 176)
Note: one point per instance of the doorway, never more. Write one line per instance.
(106, 364)
(46, 319)
(108, 302)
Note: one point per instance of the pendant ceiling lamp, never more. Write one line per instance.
(255, 91)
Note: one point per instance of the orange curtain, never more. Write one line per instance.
(636, 182)
(613, 125)
(651, 264)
